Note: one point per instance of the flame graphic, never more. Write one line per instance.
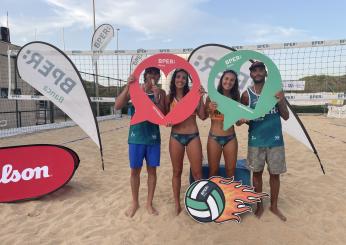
(235, 196)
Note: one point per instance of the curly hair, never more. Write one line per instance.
(234, 91)
(172, 87)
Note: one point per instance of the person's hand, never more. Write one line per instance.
(213, 106)
(280, 96)
(202, 91)
(156, 92)
(131, 79)
(242, 121)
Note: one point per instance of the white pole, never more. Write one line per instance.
(96, 73)
(118, 29)
(63, 38)
(94, 15)
(9, 93)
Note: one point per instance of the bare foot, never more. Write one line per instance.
(259, 211)
(152, 210)
(177, 210)
(132, 210)
(278, 213)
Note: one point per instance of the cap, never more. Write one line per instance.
(257, 64)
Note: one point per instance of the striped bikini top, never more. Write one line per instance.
(216, 115)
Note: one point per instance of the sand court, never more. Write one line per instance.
(91, 207)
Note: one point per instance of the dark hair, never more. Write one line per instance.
(256, 64)
(172, 87)
(151, 69)
(234, 91)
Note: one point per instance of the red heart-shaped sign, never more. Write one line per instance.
(32, 171)
(146, 110)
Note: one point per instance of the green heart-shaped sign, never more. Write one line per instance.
(233, 110)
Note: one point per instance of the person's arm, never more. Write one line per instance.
(212, 107)
(124, 96)
(159, 97)
(201, 106)
(245, 101)
(167, 109)
(160, 101)
(207, 104)
(244, 98)
(167, 104)
(283, 110)
(201, 109)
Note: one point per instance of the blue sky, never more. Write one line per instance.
(174, 23)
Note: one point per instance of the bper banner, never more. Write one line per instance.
(102, 36)
(53, 74)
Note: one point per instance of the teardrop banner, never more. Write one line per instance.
(50, 71)
(101, 37)
(233, 110)
(146, 110)
(32, 171)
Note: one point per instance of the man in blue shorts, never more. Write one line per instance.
(144, 140)
(265, 141)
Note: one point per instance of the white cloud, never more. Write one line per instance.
(164, 22)
(152, 18)
(264, 33)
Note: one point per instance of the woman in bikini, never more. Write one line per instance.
(220, 141)
(184, 136)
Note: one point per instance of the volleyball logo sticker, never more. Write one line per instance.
(219, 200)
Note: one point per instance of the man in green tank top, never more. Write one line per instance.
(144, 140)
(265, 141)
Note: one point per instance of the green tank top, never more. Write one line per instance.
(264, 131)
(145, 133)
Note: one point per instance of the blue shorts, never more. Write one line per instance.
(138, 152)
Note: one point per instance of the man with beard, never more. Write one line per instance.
(265, 141)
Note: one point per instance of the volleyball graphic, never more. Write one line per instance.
(204, 201)
(220, 200)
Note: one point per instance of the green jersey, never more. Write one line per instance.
(145, 133)
(265, 131)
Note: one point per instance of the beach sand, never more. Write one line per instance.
(91, 208)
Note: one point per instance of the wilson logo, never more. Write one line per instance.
(32, 171)
(9, 174)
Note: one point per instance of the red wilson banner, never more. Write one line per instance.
(32, 171)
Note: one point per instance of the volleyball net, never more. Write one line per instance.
(313, 74)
